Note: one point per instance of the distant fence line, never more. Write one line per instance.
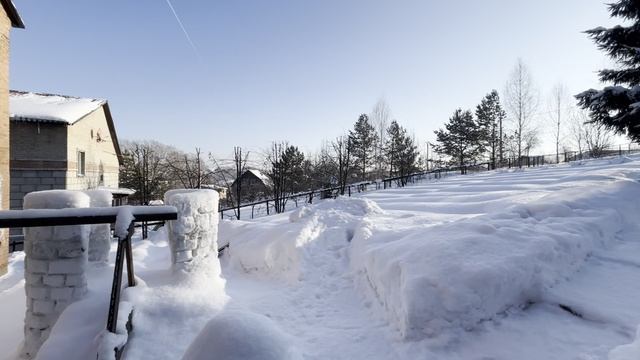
(267, 206)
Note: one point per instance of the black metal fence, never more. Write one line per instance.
(84, 216)
(267, 206)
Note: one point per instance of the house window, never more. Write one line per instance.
(81, 163)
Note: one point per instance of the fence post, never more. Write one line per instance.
(267, 207)
(55, 264)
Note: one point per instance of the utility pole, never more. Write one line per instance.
(427, 156)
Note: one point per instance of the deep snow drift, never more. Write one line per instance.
(528, 264)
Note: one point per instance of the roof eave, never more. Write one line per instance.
(112, 131)
(12, 13)
(37, 120)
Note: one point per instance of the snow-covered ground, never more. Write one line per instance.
(526, 264)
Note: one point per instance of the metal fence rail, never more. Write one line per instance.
(86, 216)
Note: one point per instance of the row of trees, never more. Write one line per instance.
(151, 168)
(495, 132)
(602, 113)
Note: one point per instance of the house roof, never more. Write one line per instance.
(12, 13)
(260, 175)
(41, 107)
(62, 109)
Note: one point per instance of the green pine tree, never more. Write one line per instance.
(401, 152)
(462, 139)
(363, 141)
(617, 107)
(490, 116)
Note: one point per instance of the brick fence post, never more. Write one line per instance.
(55, 264)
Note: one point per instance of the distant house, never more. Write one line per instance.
(9, 18)
(61, 142)
(255, 185)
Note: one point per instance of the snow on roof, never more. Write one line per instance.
(28, 106)
(260, 175)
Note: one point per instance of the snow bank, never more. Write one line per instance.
(195, 233)
(169, 313)
(56, 260)
(457, 274)
(100, 236)
(234, 335)
(627, 352)
(278, 248)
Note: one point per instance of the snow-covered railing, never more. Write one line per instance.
(64, 253)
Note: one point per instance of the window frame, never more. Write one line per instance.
(81, 159)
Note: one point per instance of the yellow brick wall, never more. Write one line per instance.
(5, 27)
(91, 135)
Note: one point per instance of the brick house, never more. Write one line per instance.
(9, 18)
(61, 142)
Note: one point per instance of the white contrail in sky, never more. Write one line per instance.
(186, 34)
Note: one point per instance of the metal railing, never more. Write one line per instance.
(87, 216)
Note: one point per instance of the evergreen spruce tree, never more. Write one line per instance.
(462, 139)
(617, 107)
(363, 141)
(401, 152)
(490, 116)
(394, 145)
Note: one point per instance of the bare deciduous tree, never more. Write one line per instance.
(343, 159)
(558, 105)
(144, 170)
(189, 170)
(589, 136)
(380, 117)
(229, 175)
(521, 103)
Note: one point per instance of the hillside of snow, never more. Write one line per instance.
(524, 264)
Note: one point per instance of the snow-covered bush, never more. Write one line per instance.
(235, 335)
(56, 259)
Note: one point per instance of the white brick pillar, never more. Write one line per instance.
(56, 259)
(194, 234)
(100, 236)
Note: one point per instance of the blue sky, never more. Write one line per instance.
(300, 71)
